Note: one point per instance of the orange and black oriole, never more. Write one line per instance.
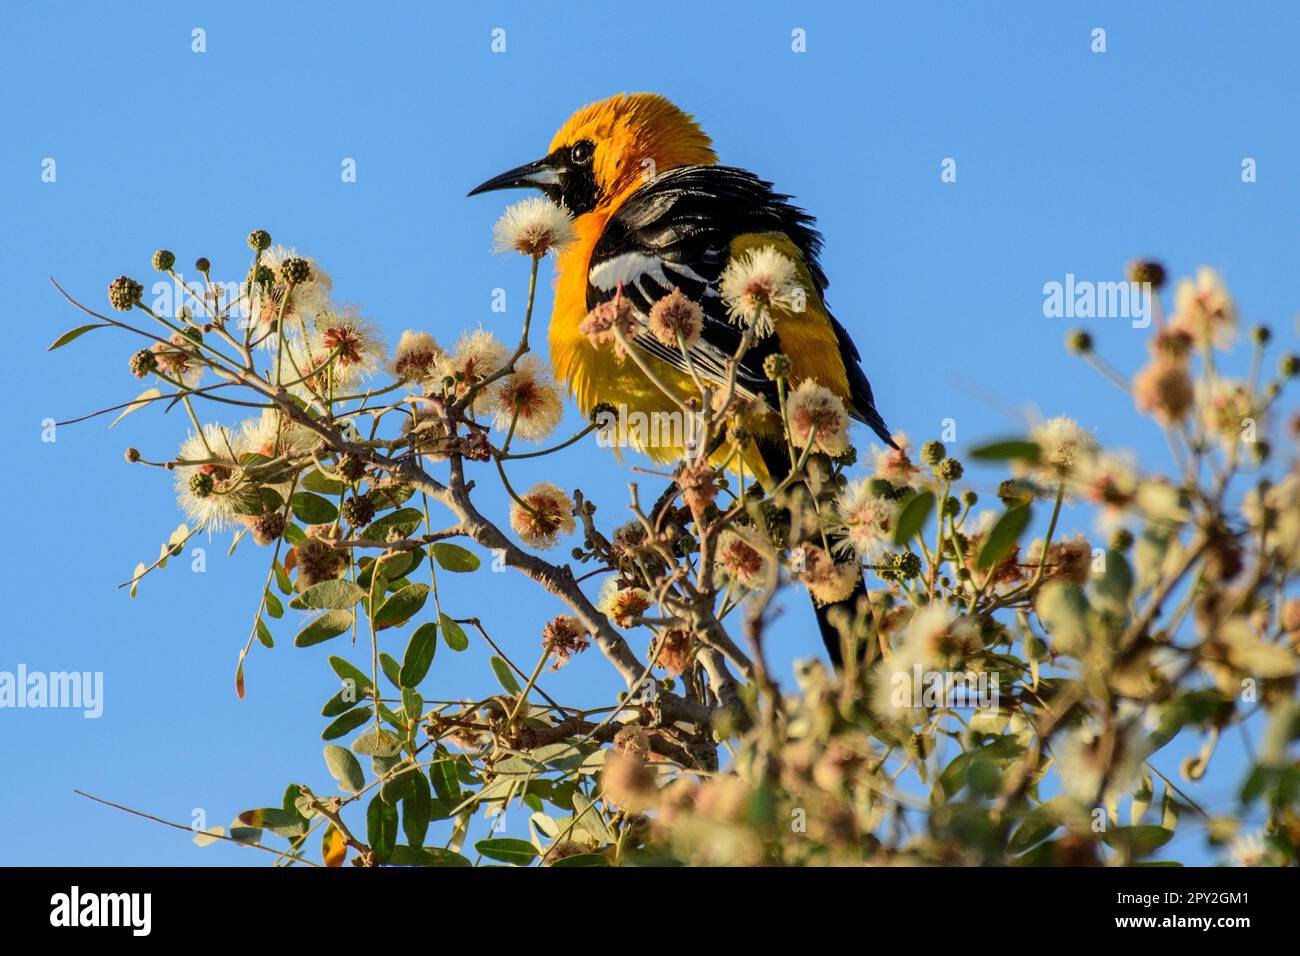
(653, 212)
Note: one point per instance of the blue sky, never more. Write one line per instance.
(1068, 161)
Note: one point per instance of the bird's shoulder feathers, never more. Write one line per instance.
(680, 230)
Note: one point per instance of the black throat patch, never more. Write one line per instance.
(577, 188)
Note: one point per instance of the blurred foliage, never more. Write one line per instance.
(1004, 700)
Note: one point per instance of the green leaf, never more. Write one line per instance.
(1142, 799)
(1038, 824)
(404, 518)
(397, 786)
(74, 334)
(426, 856)
(346, 724)
(347, 671)
(1257, 782)
(381, 828)
(376, 588)
(389, 496)
(1138, 840)
(593, 763)
(392, 670)
(953, 777)
(381, 766)
(345, 768)
(455, 558)
(913, 516)
(505, 676)
(315, 481)
(294, 800)
(1003, 536)
(273, 605)
(339, 595)
(246, 834)
(545, 824)
(446, 782)
(507, 850)
(377, 743)
(983, 775)
(395, 566)
(139, 402)
(285, 823)
(1014, 449)
(1149, 554)
(322, 628)
(312, 508)
(1195, 707)
(254, 501)
(282, 578)
(420, 650)
(1063, 611)
(412, 706)
(453, 634)
(349, 695)
(1114, 585)
(589, 818)
(582, 859)
(401, 606)
(417, 807)
(264, 633)
(562, 756)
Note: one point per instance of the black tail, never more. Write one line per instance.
(831, 634)
(777, 460)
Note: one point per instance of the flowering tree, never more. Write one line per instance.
(1001, 700)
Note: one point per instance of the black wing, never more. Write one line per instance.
(676, 231)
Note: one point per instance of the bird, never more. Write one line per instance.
(655, 212)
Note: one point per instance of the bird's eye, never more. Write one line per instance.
(581, 152)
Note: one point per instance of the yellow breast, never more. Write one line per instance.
(650, 421)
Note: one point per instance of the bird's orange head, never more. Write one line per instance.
(608, 149)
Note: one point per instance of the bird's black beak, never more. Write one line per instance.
(541, 174)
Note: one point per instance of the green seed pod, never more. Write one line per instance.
(1079, 342)
(142, 363)
(950, 469)
(202, 484)
(124, 293)
(777, 366)
(907, 564)
(295, 271)
(351, 467)
(1144, 271)
(358, 511)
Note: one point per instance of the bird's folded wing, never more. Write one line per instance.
(676, 232)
